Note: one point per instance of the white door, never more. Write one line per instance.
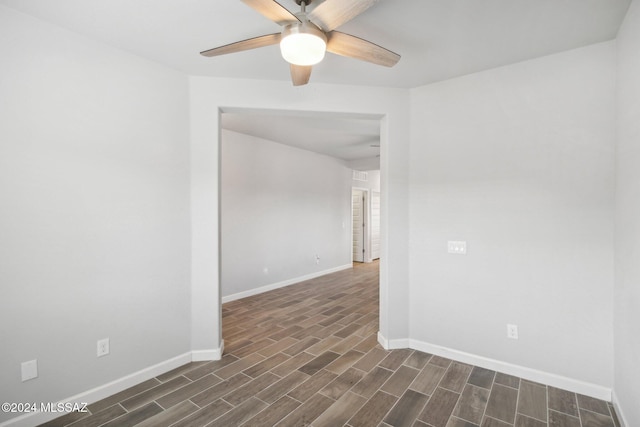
(375, 225)
(358, 214)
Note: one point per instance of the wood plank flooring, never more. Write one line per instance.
(307, 355)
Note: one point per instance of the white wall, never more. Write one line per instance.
(627, 291)
(94, 211)
(519, 162)
(211, 95)
(280, 206)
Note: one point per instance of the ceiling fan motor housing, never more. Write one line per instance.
(304, 27)
(303, 43)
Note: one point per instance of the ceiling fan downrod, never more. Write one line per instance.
(303, 7)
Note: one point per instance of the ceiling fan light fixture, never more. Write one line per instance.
(303, 44)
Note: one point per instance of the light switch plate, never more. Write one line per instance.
(457, 247)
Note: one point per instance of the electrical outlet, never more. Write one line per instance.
(265, 271)
(317, 259)
(29, 370)
(512, 331)
(103, 347)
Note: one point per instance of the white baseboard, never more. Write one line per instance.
(383, 341)
(570, 384)
(392, 344)
(618, 408)
(283, 283)
(206, 355)
(106, 390)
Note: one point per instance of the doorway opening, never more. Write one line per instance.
(257, 255)
(359, 214)
(365, 212)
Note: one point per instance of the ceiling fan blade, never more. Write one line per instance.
(300, 74)
(273, 10)
(330, 14)
(355, 47)
(253, 43)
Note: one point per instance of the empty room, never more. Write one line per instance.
(324, 213)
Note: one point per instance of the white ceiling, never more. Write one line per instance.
(438, 40)
(355, 139)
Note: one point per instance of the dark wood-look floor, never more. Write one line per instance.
(307, 355)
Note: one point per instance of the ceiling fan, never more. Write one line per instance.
(306, 36)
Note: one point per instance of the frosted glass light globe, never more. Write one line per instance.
(303, 44)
